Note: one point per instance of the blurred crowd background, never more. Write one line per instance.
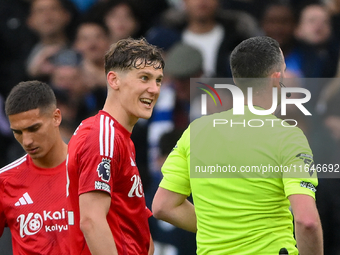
(63, 42)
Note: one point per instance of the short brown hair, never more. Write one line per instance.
(131, 53)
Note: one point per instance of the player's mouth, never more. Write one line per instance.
(32, 150)
(146, 101)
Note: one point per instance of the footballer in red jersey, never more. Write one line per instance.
(105, 192)
(32, 188)
(104, 155)
(37, 219)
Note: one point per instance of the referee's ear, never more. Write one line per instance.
(276, 78)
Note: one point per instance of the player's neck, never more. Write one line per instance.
(54, 157)
(124, 119)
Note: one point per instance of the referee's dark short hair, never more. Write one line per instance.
(256, 57)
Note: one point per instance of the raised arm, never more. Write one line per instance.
(308, 229)
(174, 208)
(94, 207)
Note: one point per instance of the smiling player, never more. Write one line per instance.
(105, 189)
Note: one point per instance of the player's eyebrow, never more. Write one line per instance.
(149, 73)
(34, 126)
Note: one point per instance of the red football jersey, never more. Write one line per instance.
(102, 157)
(33, 206)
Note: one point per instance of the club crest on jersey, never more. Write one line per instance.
(104, 169)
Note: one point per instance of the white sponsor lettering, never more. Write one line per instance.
(56, 227)
(102, 186)
(54, 216)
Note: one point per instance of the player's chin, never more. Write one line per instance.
(146, 114)
(35, 156)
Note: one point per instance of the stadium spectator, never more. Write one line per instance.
(314, 25)
(33, 194)
(92, 42)
(279, 22)
(302, 60)
(67, 74)
(105, 192)
(122, 20)
(314, 28)
(74, 98)
(204, 26)
(231, 216)
(49, 20)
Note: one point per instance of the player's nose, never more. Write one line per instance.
(154, 88)
(27, 139)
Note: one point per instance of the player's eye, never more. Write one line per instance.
(34, 128)
(159, 81)
(144, 78)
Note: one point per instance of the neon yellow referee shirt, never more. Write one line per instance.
(241, 213)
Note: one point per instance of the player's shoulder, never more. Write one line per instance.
(99, 131)
(98, 123)
(203, 125)
(289, 135)
(14, 167)
(87, 128)
(290, 129)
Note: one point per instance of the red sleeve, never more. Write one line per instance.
(149, 213)
(97, 159)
